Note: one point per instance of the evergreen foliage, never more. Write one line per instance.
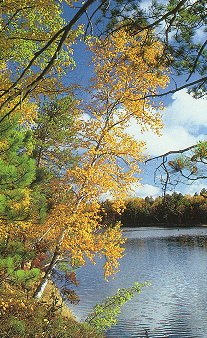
(13, 259)
(17, 169)
(49, 197)
(180, 25)
(55, 133)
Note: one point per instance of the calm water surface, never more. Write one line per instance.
(175, 305)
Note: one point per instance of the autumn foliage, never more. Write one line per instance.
(110, 156)
(60, 155)
(174, 210)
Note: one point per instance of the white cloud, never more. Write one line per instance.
(154, 191)
(145, 190)
(187, 111)
(197, 186)
(184, 120)
(200, 35)
(173, 138)
(137, 190)
(85, 117)
(145, 4)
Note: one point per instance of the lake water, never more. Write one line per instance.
(175, 305)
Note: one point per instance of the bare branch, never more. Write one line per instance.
(196, 60)
(91, 17)
(173, 12)
(189, 173)
(181, 151)
(172, 91)
(89, 24)
(155, 23)
(65, 30)
(13, 16)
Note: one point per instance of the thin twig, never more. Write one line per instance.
(196, 60)
(172, 152)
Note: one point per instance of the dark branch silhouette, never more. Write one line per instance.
(181, 151)
(190, 169)
(23, 93)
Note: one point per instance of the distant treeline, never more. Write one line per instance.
(175, 209)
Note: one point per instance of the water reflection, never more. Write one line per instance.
(175, 305)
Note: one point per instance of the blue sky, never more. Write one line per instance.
(185, 123)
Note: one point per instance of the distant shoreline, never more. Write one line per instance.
(162, 225)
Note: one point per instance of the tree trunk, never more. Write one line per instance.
(39, 291)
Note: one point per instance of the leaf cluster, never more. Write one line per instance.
(188, 167)
(17, 168)
(179, 25)
(13, 258)
(105, 315)
(24, 317)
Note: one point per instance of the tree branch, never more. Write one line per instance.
(172, 91)
(181, 151)
(65, 30)
(155, 23)
(196, 60)
(13, 16)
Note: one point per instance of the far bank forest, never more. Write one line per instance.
(173, 210)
